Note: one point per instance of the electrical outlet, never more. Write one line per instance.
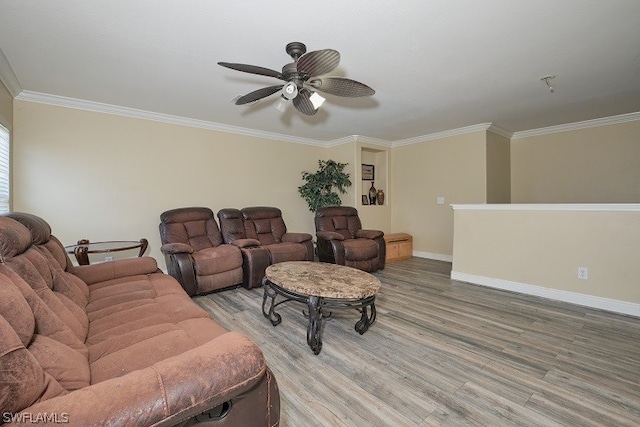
(583, 273)
(108, 258)
(440, 200)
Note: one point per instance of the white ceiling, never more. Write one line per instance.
(436, 65)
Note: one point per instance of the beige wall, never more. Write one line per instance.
(6, 107)
(452, 167)
(106, 177)
(114, 175)
(542, 247)
(593, 165)
(498, 168)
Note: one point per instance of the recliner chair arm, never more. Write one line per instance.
(369, 234)
(296, 237)
(245, 243)
(329, 235)
(176, 248)
(180, 265)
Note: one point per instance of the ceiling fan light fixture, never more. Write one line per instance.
(290, 90)
(300, 77)
(281, 104)
(316, 100)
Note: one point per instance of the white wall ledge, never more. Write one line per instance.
(585, 207)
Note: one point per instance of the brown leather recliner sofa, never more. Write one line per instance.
(265, 225)
(195, 252)
(116, 343)
(341, 239)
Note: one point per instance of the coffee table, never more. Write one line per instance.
(84, 247)
(322, 287)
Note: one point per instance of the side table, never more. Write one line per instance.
(84, 247)
(399, 246)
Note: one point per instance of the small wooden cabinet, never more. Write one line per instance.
(399, 246)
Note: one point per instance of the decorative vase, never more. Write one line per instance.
(380, 197)
(372, 194)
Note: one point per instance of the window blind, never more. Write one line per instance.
(4, 170)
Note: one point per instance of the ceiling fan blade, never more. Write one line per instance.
(318, 62)
(258, 94)
(342, 87)
(303, 103)
(252, 69)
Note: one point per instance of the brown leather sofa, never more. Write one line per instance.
(116, 343)
(195, 252)
(341, 239)
(265, 225)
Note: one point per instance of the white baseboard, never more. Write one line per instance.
(616, 306)
(437, 257)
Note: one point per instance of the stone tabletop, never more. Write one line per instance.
(323, 279)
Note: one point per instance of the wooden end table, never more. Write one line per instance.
(84, 247)
(322, 287)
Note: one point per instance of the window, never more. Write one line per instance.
(4, 170)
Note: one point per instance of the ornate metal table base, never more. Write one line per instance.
(319, 309)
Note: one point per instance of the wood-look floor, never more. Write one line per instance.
(447, 353)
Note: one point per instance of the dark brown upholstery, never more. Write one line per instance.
(195, 253)
(341, 239)
(264, 225)
(116, 343)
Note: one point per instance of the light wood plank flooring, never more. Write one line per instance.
(447, 353)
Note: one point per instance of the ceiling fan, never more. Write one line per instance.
(302, 79)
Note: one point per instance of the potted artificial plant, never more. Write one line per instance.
(318, 189)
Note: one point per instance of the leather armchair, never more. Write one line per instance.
(341, 239)
(195, 251)
(265, 226)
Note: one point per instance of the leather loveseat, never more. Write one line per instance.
(116, 343)
(264, 225)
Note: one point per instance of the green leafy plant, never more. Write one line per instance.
(318, 189)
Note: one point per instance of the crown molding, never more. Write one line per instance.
(373, 141)
(8, 77)
(98, 107)
(443, 134)
(613, 120)
(344, 140)
(499, 131)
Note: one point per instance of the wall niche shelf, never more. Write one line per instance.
(374, 172)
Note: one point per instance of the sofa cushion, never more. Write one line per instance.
(15, 309)
(128, 352)
(28, 382)
(217, 260)
(67, 366)
(47, 321)
(360, 249)
(41, 332)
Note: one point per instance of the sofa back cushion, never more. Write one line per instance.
(24, 382)
(340, 219)
(231, 224)
(65, 282)
(46, 323)
(39, 354)
(264, 224)
(194, 226)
